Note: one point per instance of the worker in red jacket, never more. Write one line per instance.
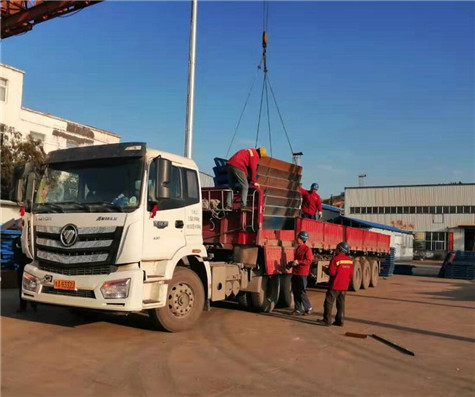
(242, 169)
(300, 270)
(311, 202)
(340, 271)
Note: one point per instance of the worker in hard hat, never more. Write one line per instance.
(300, 270)
(242, 169)
(340, 271)
(311, 202)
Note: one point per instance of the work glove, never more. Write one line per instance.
(292, 264)
(320, 215)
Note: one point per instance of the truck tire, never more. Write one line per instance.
(185, 302)
(285, 296)
(366, 273)
(244, 300)
(265, 300)
(374, 273)
(355, 282)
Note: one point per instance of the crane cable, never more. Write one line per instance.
(266, 85)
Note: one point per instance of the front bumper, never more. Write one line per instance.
(87, 293)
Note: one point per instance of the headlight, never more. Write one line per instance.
(30, 282)
(116, 289)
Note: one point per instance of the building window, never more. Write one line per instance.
(357, 210)
(412, 210)
(71, 144)
(459, 209)
(472, 209)
(37, 137)
(453, 209)
(363, 210)
(436, 241)
(3, 89)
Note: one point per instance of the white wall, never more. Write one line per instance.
(9, 210)
(401, 242)
(29, 121)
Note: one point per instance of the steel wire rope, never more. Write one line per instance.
(280, 116)
(268, 120)
(260, 109)
(244, 108)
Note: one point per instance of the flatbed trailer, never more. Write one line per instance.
(264, 238)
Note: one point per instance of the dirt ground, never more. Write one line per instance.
(238, 353)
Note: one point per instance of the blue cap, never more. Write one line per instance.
(314, 186)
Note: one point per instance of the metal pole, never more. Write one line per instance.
(191, 81)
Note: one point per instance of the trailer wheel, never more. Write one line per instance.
(355, 282)
(265, 300)
(244, 299)
(285, 296)
(366, 273)
(185, 302)
(374, 273)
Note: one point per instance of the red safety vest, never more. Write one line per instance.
(304, 256)
(311, 202)
(340, 271)
(246, 160)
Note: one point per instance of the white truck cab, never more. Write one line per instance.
(117, 227)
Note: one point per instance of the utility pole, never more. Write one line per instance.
(191, 81)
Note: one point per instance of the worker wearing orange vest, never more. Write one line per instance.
(242, 169)
(340, 271)
(311, 202)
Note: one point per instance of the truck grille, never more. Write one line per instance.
(79, 271)
(96, 247)
(80, 293)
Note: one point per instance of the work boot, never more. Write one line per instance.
(308, 311)
(337, 324)
(323, 322)
(297, 313)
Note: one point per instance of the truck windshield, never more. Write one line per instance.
(106, 185)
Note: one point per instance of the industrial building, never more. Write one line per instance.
(52, 131)
(442, 217)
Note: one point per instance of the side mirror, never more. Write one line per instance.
(17, 194)
(163, 178)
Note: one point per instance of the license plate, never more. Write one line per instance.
(64, 284)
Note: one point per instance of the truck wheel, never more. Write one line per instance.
(366, 273)
(285, 296)
(355, 282)
(265, 300)
(244, 300)
(185, 302)
(374, 273)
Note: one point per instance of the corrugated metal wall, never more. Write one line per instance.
(206, 180)
(431, 195)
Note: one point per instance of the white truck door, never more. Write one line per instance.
(164, 233)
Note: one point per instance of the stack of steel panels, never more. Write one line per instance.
(280, 182)
(387, 267)
(8, 236)
(459, 266)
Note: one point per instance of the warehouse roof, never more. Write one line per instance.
(392, 186)
(362, 222)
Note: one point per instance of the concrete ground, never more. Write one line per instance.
(237, 353)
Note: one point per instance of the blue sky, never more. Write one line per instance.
(381, 88)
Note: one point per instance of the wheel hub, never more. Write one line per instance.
(181, 299)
